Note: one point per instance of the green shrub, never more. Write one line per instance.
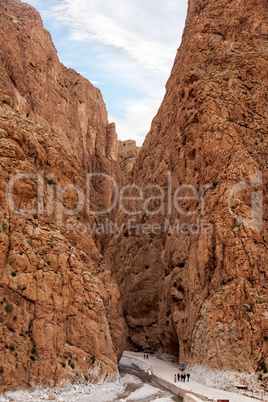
(32, 358)
(4, 225)
(78, 218)
(9, 308)
(30, 243)
(248, 308)
(63, 364)
(110, 325)
(263, 367)
(69, 342)
(50, 181)
(1, 369)
(13, 273)
(33, 351)
(35, 216)
(12, 347)
(72, 365)
(1, 318)
(15, 318)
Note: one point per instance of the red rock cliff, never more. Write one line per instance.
(58, 301)
(127, 155)
(203, 295)
(47, 92)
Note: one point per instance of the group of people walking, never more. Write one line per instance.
(181, 377)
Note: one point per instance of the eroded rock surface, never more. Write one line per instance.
(127, 155)
(60, 310)
(47, 92)
(202, 293)
(58, 302)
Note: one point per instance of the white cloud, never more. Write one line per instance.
(137, 119)
(148, 32)
(96, 83)
(139, 40)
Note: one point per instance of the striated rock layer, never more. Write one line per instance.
(60, 310)
(127, 155)
(50, 94)
(200, 291)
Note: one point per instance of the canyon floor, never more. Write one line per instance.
(130, 387)
(165, 371)
(132, 384)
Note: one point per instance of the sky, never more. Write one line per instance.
(126, 48)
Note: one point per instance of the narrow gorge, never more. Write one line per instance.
(186, 276)
(197, 286)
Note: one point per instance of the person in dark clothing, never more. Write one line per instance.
(144, 356)
(175, 377)
(188, 377)
(179, 377)
(147, 356)
(184, 377)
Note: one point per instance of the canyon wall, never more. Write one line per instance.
(192, 269)
(47, 92)
(191, 262)
(60, 310)
(127, 155)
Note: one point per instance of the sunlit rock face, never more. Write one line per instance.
(127, 155)
(60, 310)
(47, 92)
(191, 262)
(197, 287)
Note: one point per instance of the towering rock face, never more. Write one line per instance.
(60, 311)
(193, 276)
(47, 92)
(127, 155)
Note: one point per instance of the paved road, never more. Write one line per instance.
(166, 371)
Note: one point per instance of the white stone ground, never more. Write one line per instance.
(67, 393)
(164, 370)
(107, 392)
(224, 380)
